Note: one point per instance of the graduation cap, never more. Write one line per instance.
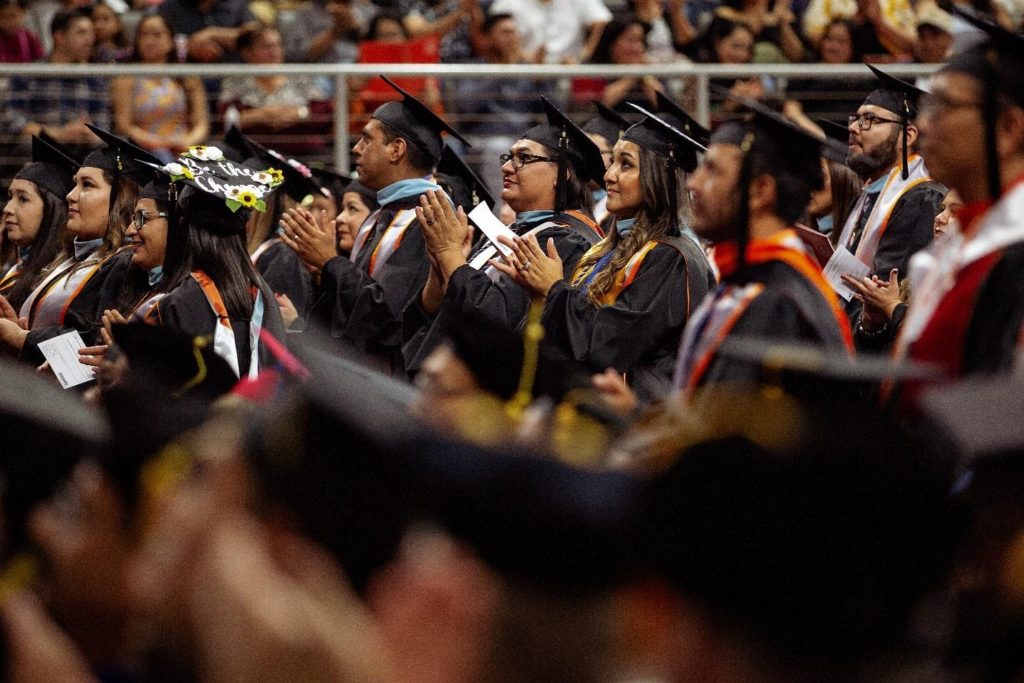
(607, 123)
(981, 416)
(677, 116)
(998, 64)
(298, 179)
(57, 144)
(571, 147)
(416, 122)
(207, 169)
(820, 547)
(331, 182)
(45, 431)
(51, 169)
(118, 155)
(900, 98)
(463, 185)
(664, 139)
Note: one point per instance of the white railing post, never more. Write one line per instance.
(341, 160)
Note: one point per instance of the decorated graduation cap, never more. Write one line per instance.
(998, 64)
(415, 122)
(297, 178)
(463, 185)
(900, 98)
(571, 147)
(677, 116)
(607, 123)
(207, 170)
(50, 169)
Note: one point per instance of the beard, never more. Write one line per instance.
(866, 164)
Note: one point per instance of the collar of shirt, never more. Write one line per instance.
(403, 189)
(84, 249)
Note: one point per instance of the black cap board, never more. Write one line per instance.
(207, 169)
(416, 122)
(51, 169)
(298, 178)
(331, 182)
(118, 155)
(53, 142)
(677, 116)
(981, 415)
(664, 139)
(607, 123)
(463, 185)
(571, 145)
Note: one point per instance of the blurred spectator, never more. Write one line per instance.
(557, 31)
(387, 27)
(291, 114)
(623, 41)
(17, 43)
(494, 112)
(831, 98)
(934, 34)
(163, 115)
(212, 26)
(326, 32)
(451, 21)
(668, 28)
(879, 31)
(39, 16)
(61, 106)
(775, 39)
(111, 41)
(729, 42)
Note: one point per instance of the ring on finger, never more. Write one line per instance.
(526, 266)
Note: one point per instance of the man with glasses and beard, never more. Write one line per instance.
(893, 217)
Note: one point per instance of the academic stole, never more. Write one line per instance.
(260, 250)
(390, 240)
(10, 278)
(623, 278)
(41, 307)
(878, 220)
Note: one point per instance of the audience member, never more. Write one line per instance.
(111, 41)
(831, 98)
(163, 115)
(17, 43)
(775, 39)
(321, 31)
(211, 26)
(668, 28)
(623, 41)
(557, 31)
(452, 22)
(881, 32)
(934, 34)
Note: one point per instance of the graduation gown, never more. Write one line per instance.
(637, 329)
(486, 292)
(968, 307)
(282, 270)
(779, 294)
(363, 300)
(196, 309)
(69, 299)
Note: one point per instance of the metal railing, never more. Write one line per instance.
(700, 75)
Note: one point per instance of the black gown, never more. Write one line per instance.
(282, 270)
(85, 311)
(187, 309)
(781, 304)
(501, 301)
(637, 334)
(365, 312)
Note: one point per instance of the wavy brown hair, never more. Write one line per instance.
(658, 180)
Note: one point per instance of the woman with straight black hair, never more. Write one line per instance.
(213, 289)
(630, 296)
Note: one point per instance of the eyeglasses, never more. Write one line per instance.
(865, 121)
(520, 160)
(140, 218)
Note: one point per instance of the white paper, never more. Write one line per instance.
(844, 263)
(491, 226)
(62, 354)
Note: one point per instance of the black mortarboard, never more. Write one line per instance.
(50, 169)
(56, 144)
(207, 170)
(998, 64)
(463, 185)
(44, 431)
(981, 416)
(298, 178)
(677, 116)
(332, 182)
(118, 155)
(416, 122)
(570, 145)
(900, 98)
(664, 139)
(836, 144)
(820, 551)
(607, 123)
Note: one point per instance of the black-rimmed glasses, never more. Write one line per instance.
(865, 121)
(519, 160)
(140, 218)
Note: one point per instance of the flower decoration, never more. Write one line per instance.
(301, 168)
(272, 177)
(205, 153)
(247, 196)
(178, 171)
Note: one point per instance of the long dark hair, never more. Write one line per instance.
(658, 181)
(846, 187)
(620, 23)
(207, 236)
(49, 242)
